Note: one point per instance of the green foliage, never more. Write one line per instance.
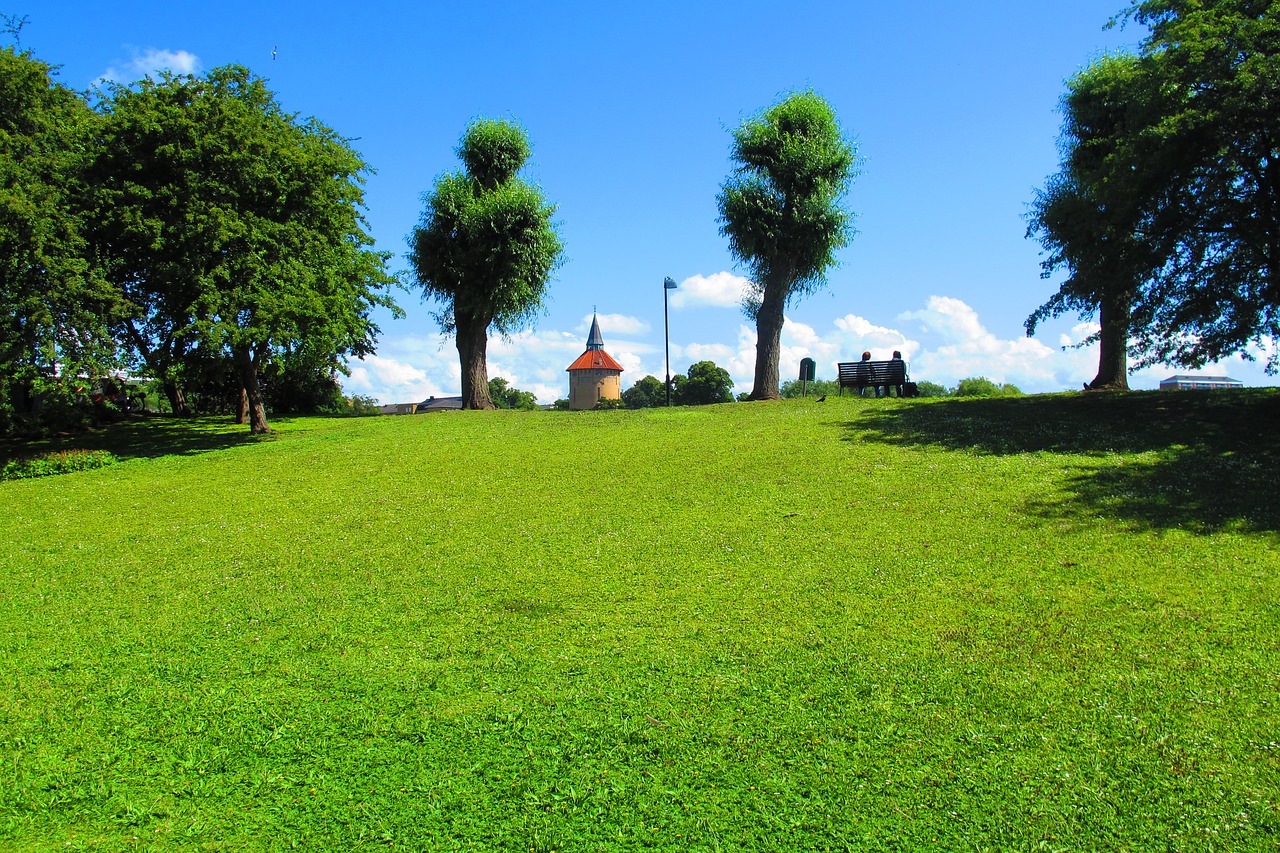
(932, 389)
(980, 386)
(782, 210)
(1168, 200)
(362, 406)
(505, 396)
(485, 248)
(493, 152)
(1093, 217)
(646, 393)
(55, 462)
(1016, 623)
(605, 404)
(705, 384)
(303, 382)
(54, 305)
(1218, 292)
(234, 227)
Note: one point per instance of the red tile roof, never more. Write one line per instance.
(595, 359)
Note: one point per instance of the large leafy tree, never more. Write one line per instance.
(1103, 217)
(1166, 212)
(706, 383)
(783, 212)
(1218, 291)
(646, 393)
(485, 248)
(53, 304)
(234, 229)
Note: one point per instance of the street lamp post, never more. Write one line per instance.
(668, 283)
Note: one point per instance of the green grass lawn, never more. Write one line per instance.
(1035, 623)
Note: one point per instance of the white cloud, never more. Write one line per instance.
(950, 318)
(615, 325)
(150, 62)
(719, 353)
(722, 289)
(391, 381)
(632, 363)
(969, 349)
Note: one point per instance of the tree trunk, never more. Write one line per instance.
(22, 396)
(177, 399)
(247, 367)
(1113, 344)
(769, 320)
(471, 336)
(242, 407)
(159, 365)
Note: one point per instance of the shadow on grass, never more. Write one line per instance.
(1200, 461)
(144, 438)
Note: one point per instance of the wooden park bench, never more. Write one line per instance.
(873, 374)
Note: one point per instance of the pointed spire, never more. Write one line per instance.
(594, 340)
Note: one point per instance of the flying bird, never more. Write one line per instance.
(273, 53)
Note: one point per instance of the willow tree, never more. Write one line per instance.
(485, 248)
(783, 212)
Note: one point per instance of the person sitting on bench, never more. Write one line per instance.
(897, 356)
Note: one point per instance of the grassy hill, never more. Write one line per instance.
(1036, 623)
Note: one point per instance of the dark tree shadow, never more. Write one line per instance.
(1200, 461)
(144, 438)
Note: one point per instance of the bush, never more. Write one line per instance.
(56, 462)
(931, 389)
(981, 386)
(605, 404)
(362, 406)
(794, 388)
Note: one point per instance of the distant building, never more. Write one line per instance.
(398, 408)
(1187, 382)
(440, 404)
(594, 375)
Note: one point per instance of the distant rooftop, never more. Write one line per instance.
(440, 404)
(1191, 380)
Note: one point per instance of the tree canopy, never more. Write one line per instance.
(507, 396)
(783, 211)
(485, 248)
(705, 384)
(645, 394)
(54, 304)
(1218, 291)
(1166, 211)
(1095, 217)
(232, 226)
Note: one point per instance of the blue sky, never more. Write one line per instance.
(629, 108)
